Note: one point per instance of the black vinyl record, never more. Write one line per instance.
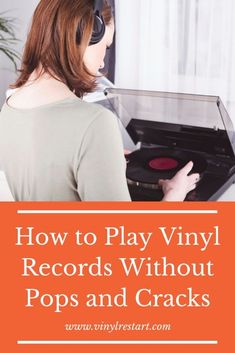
(148, 165)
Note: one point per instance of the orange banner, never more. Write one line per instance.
(95, 277)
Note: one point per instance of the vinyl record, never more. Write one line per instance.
(148, 165)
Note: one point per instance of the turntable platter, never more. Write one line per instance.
(148, 165)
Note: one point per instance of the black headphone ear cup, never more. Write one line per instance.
(97, 33)
(98, 30)
(98, 25)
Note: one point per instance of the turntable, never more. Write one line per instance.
(165, 131)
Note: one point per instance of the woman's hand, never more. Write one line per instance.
(177, 188)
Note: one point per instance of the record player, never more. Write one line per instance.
(164, 131)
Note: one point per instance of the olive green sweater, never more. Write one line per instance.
(69, 150)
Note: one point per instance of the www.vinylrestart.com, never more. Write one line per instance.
(117, 326)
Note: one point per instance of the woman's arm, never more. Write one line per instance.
(101, 172)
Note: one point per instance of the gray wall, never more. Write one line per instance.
(22, 10)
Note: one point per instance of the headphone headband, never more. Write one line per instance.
(98, 7)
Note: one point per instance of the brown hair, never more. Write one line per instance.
(51, 43)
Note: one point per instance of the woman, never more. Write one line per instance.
(53, 145)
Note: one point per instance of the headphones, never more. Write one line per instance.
(98, 27)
